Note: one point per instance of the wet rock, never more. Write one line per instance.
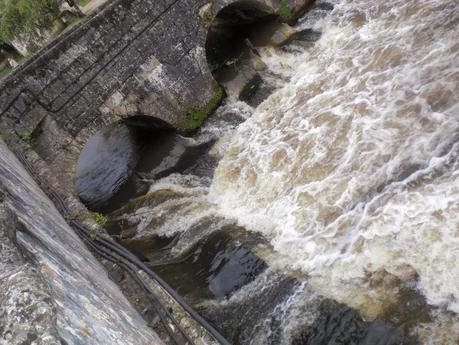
(216, 267)
(306, 38)
(295, 8)
(256, 92)
(338, 324)
(105, 164)
(283, 34)
(239, 73)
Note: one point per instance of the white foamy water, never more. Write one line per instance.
(351, 169)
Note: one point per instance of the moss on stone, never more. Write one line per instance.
(205, 12)
(207, 17)
(284, 11)
(4, 136)
(196, 116)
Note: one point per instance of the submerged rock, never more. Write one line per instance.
(339, 324)
(283, 34)
(105, 164)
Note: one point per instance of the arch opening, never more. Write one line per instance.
(234, 38)
(120, 161)
(233, 28)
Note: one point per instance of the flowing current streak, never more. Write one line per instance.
(351, 169)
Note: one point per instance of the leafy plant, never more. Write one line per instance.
(100, 219)
(27, 141)
(25, 18)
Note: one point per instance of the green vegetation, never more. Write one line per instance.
(27, 141)
(100, 219)
(5, 69)
(24, 18)
(284, 10)
(197, 116)
(5, 136)
(83, 2)
(207, 16)
(72, 24)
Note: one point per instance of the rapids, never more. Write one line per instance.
(329, 212)
(351, 168)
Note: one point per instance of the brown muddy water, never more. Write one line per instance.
(320, 203)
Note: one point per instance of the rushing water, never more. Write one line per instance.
(351, 169)
(333, 213)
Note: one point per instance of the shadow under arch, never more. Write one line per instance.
(232, 48)
(232, 27)
(107, 170)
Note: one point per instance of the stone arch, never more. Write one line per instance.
(133, 57)
(235, 35)
(231, 25)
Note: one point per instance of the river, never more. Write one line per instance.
(331, 209)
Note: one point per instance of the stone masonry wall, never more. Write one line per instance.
(134, 57)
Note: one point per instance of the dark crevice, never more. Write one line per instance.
(232, 31)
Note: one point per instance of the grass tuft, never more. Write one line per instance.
(27, 141)
(100, 219)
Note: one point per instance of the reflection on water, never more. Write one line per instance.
(105, 164)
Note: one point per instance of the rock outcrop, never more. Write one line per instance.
(27, 310)
(53, 291)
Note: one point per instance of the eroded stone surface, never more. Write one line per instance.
(74, 297)
(27, 310)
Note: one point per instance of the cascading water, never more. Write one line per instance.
(351, 169)
(333, 213)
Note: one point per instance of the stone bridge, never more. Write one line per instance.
(133, 57)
